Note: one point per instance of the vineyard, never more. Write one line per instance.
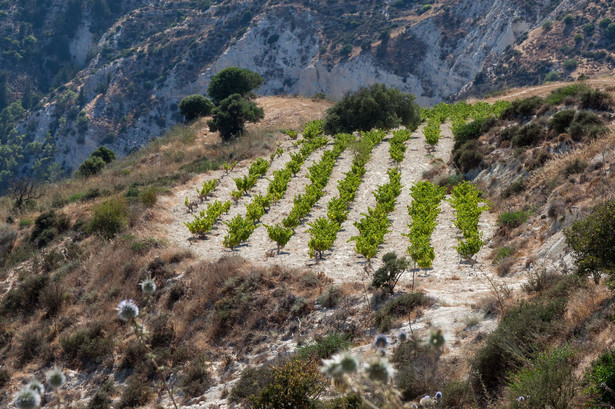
(340, 202)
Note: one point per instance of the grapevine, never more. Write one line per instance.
(397, 147)
(375, 223)
(206, 219)
(280, 235)
(466, 201)
(207, 188)
(339, 207)
(424, 210)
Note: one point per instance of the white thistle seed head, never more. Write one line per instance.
(127, 310)
(438, 395)
(27, 399)
(379, 370)
(36, 386)
(348, 362)
(55, 378)
(426, 401)
(148, 286)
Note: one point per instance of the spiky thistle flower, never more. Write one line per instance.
(27, 399)
(148, 286)
(379, 370)
(426, 401)
(436, 338)
(339, 364)
(381, 341)
(55, 378)
(127, 310)
(37, 387)
(438, 395)
(402, 336)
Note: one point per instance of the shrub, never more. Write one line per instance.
(30, 346)
(102, 397)
(110, 217)
(502, 253)
(521, 332)
(547, 25)
(387, 276)
(570, 64)
(136, 393)
(197, 378)
(592, 240)
(595, 99)
(251, 382)
(586, 125)
(372, 107)
(575, 167)
(568, 19)
(553, 76)
(414, 365)
(195, 106)
(88, 344)
(294, 384)
(601, 380)
(5, 376)
(610, 31)
(604, 23)
(47, 226)
(325, 347)
(231, 115)
(91, 166)
(512, 219)
(149, 196)
(331, 297)
(467, 156)
(231, 81)
(104, 153)
(559, 95)
(467, 132)
(25, 296)
(528, 135)
(561, 120)
(522, 108)
(548, 380)
(398, 306)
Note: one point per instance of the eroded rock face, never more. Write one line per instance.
(140, 70)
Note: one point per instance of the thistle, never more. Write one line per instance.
(426, 401)
(27, 399)
(379, 370)
(148, 286)
(402, 336)
(381, 341)
(127, 310)
(37, 387)
(55, 378)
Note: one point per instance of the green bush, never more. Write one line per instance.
(110, 217)
(251, 382)
(25, 296)
(400, 306)
(197, 378)
(592, 240)
(325, 347)
(331, 297)
(553, 76)
(604, 23)
(586, 125)
(91, 166)
(47, 226)
(104, 153)
(522, 331)
(595, 99)
(149, 196)
(561, 120)
(512, 219)
(468, 132)
(102, 397)
(372, 107)
(294, 384)
(231, 115)
(387, 276)
(601, 380)
(523, 108)
(195, 106)
(528, 135)
(559, 95)
(548, 380)
(88, 344)
(137, 393)
(467, 156)
(575, 167)
(568, 19)
(231, 81)
(570, 64)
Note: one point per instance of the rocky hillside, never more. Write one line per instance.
(105, 72)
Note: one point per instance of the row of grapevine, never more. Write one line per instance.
(318, 174)
(424, 210)
(241, 228)
(397, 145)
(323, 231)
(205, 221)
(257, 169)
(466, 200)
(375, 223)
(459, 114)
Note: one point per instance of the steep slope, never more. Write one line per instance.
(130, 69)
